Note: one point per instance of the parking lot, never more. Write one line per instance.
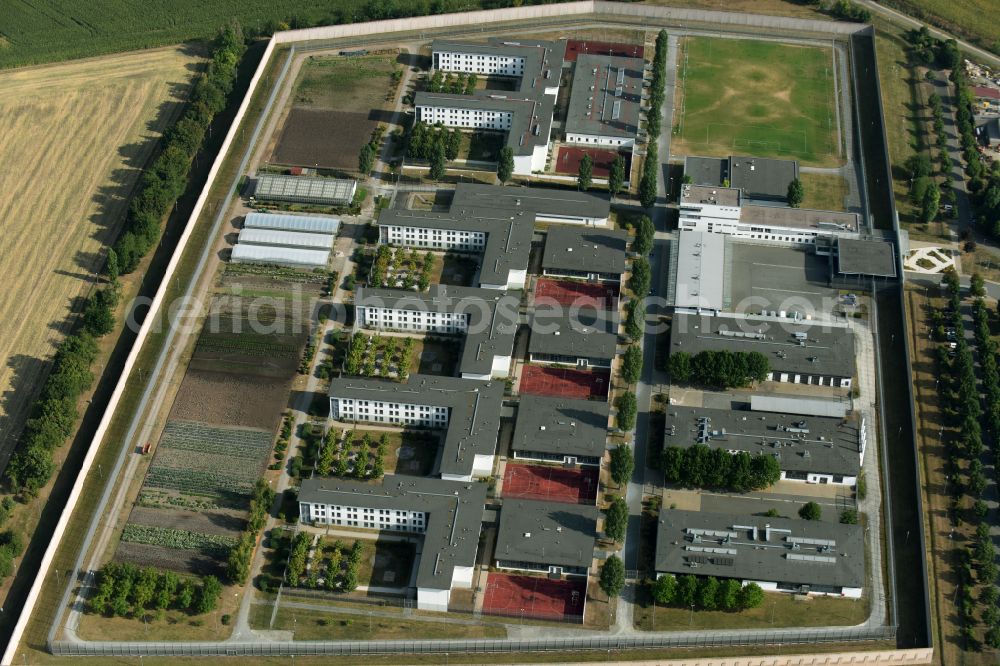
(777, 278)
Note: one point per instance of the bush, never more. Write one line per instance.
(627, 410)
(849, 517)
(810, 511)
(612, 576)
(616, 520)
(632, 364)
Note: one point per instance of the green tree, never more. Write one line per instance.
(810, 511)
(632, 364)
(679, 366)
(641, 277)
(849, 517)
(929, 204)
(505, 164)
(647, 182)
(437, 161)
(644, 233)
(612, 576)
(665, 589)
(366, 159)
(796, 193)
(751, 596)
(627, 410)
(452, 144)
(977, 287)
(708, 592)
(616, 178)
(112, 267)
(208, 595)
(585, 175)
(616, 520)
(687, 590)
(622, 464)
(728, 597)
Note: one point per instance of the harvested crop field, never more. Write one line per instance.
(336, 105)
(74, 138)
(228, 398)
(222, 522)
(174, 559)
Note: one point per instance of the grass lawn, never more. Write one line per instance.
(481, 146)
(434, 357)
(761, 98)
(778, 610)
(823, 191)
(412, 453)
(171, 626)
(321, 625)
(386, 563)
(454, 269)
(344, 84)
(965, 18)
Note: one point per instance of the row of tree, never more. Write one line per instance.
(455, 85)
(700, 466)
(657, 91)
(719, 369)
(706, 593)
(426, 142)
(124, 590)
(241, 554)
(166, 179)
(369, 151)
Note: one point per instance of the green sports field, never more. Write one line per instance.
(755, 97)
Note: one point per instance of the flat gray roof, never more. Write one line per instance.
(710, 194)
(306, 189)
(542, 59)
(802, 444)
(542, 202)
(800, 218)
(585, 333)
(547, 533)
(492, 317)
(755, 548)
(827, 351)
(454, 516)
(866, 257)
(699, 270)
(804, 406)
(606, 96)
(709, 171)
(585, 249)
(474, 410)
(762, 178)
(561, 426)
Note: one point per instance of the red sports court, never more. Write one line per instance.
(535, 597)
(597, 295)
(569, 157)
(574, 47)
(564, 382)
(547, 482)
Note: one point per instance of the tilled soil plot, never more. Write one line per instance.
(230, 399)
(174, 559)
(228, 523)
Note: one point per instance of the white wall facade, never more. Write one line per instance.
(430, 599)
(378, 411)
(357, 516)
(564, 219)
(600, 140)
(815, 380)
(437, 239)
(399, 319)
(462, 577)
(819, 477)
(453, 116)
(478, 63)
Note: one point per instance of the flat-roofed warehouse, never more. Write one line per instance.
(759, 178)
(542, 536)
(312, 224)
(588, 253)
(561, 430)
(779, 554)
(811, 449)
(304, 189)
(467, 409)
(605, 101)
(545, 204)
(697, 262)
(245, 253)
(798, 352)
(447, 513)
(582, 337)
(292, 239)
(865, 257)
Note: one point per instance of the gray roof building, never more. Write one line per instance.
(706, 171)
(473, 406)
(802, 444)
(544, 533)
(798, 555)
(561, 426)
(542, 59)
(699, 267)
(762, 178)
(312, 224)
(866, 257)
(588, 250)
(606, 96)
(304, 189)
(804, 348)
(492, 317)
(454, 516)
(833, 222)
(545, 204)
(564, 337)
(804, 406)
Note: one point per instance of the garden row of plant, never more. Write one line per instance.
(375, 356)
(388, 262)
(335, 451)
(657, 92)
(450, 83)
(333, 568)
